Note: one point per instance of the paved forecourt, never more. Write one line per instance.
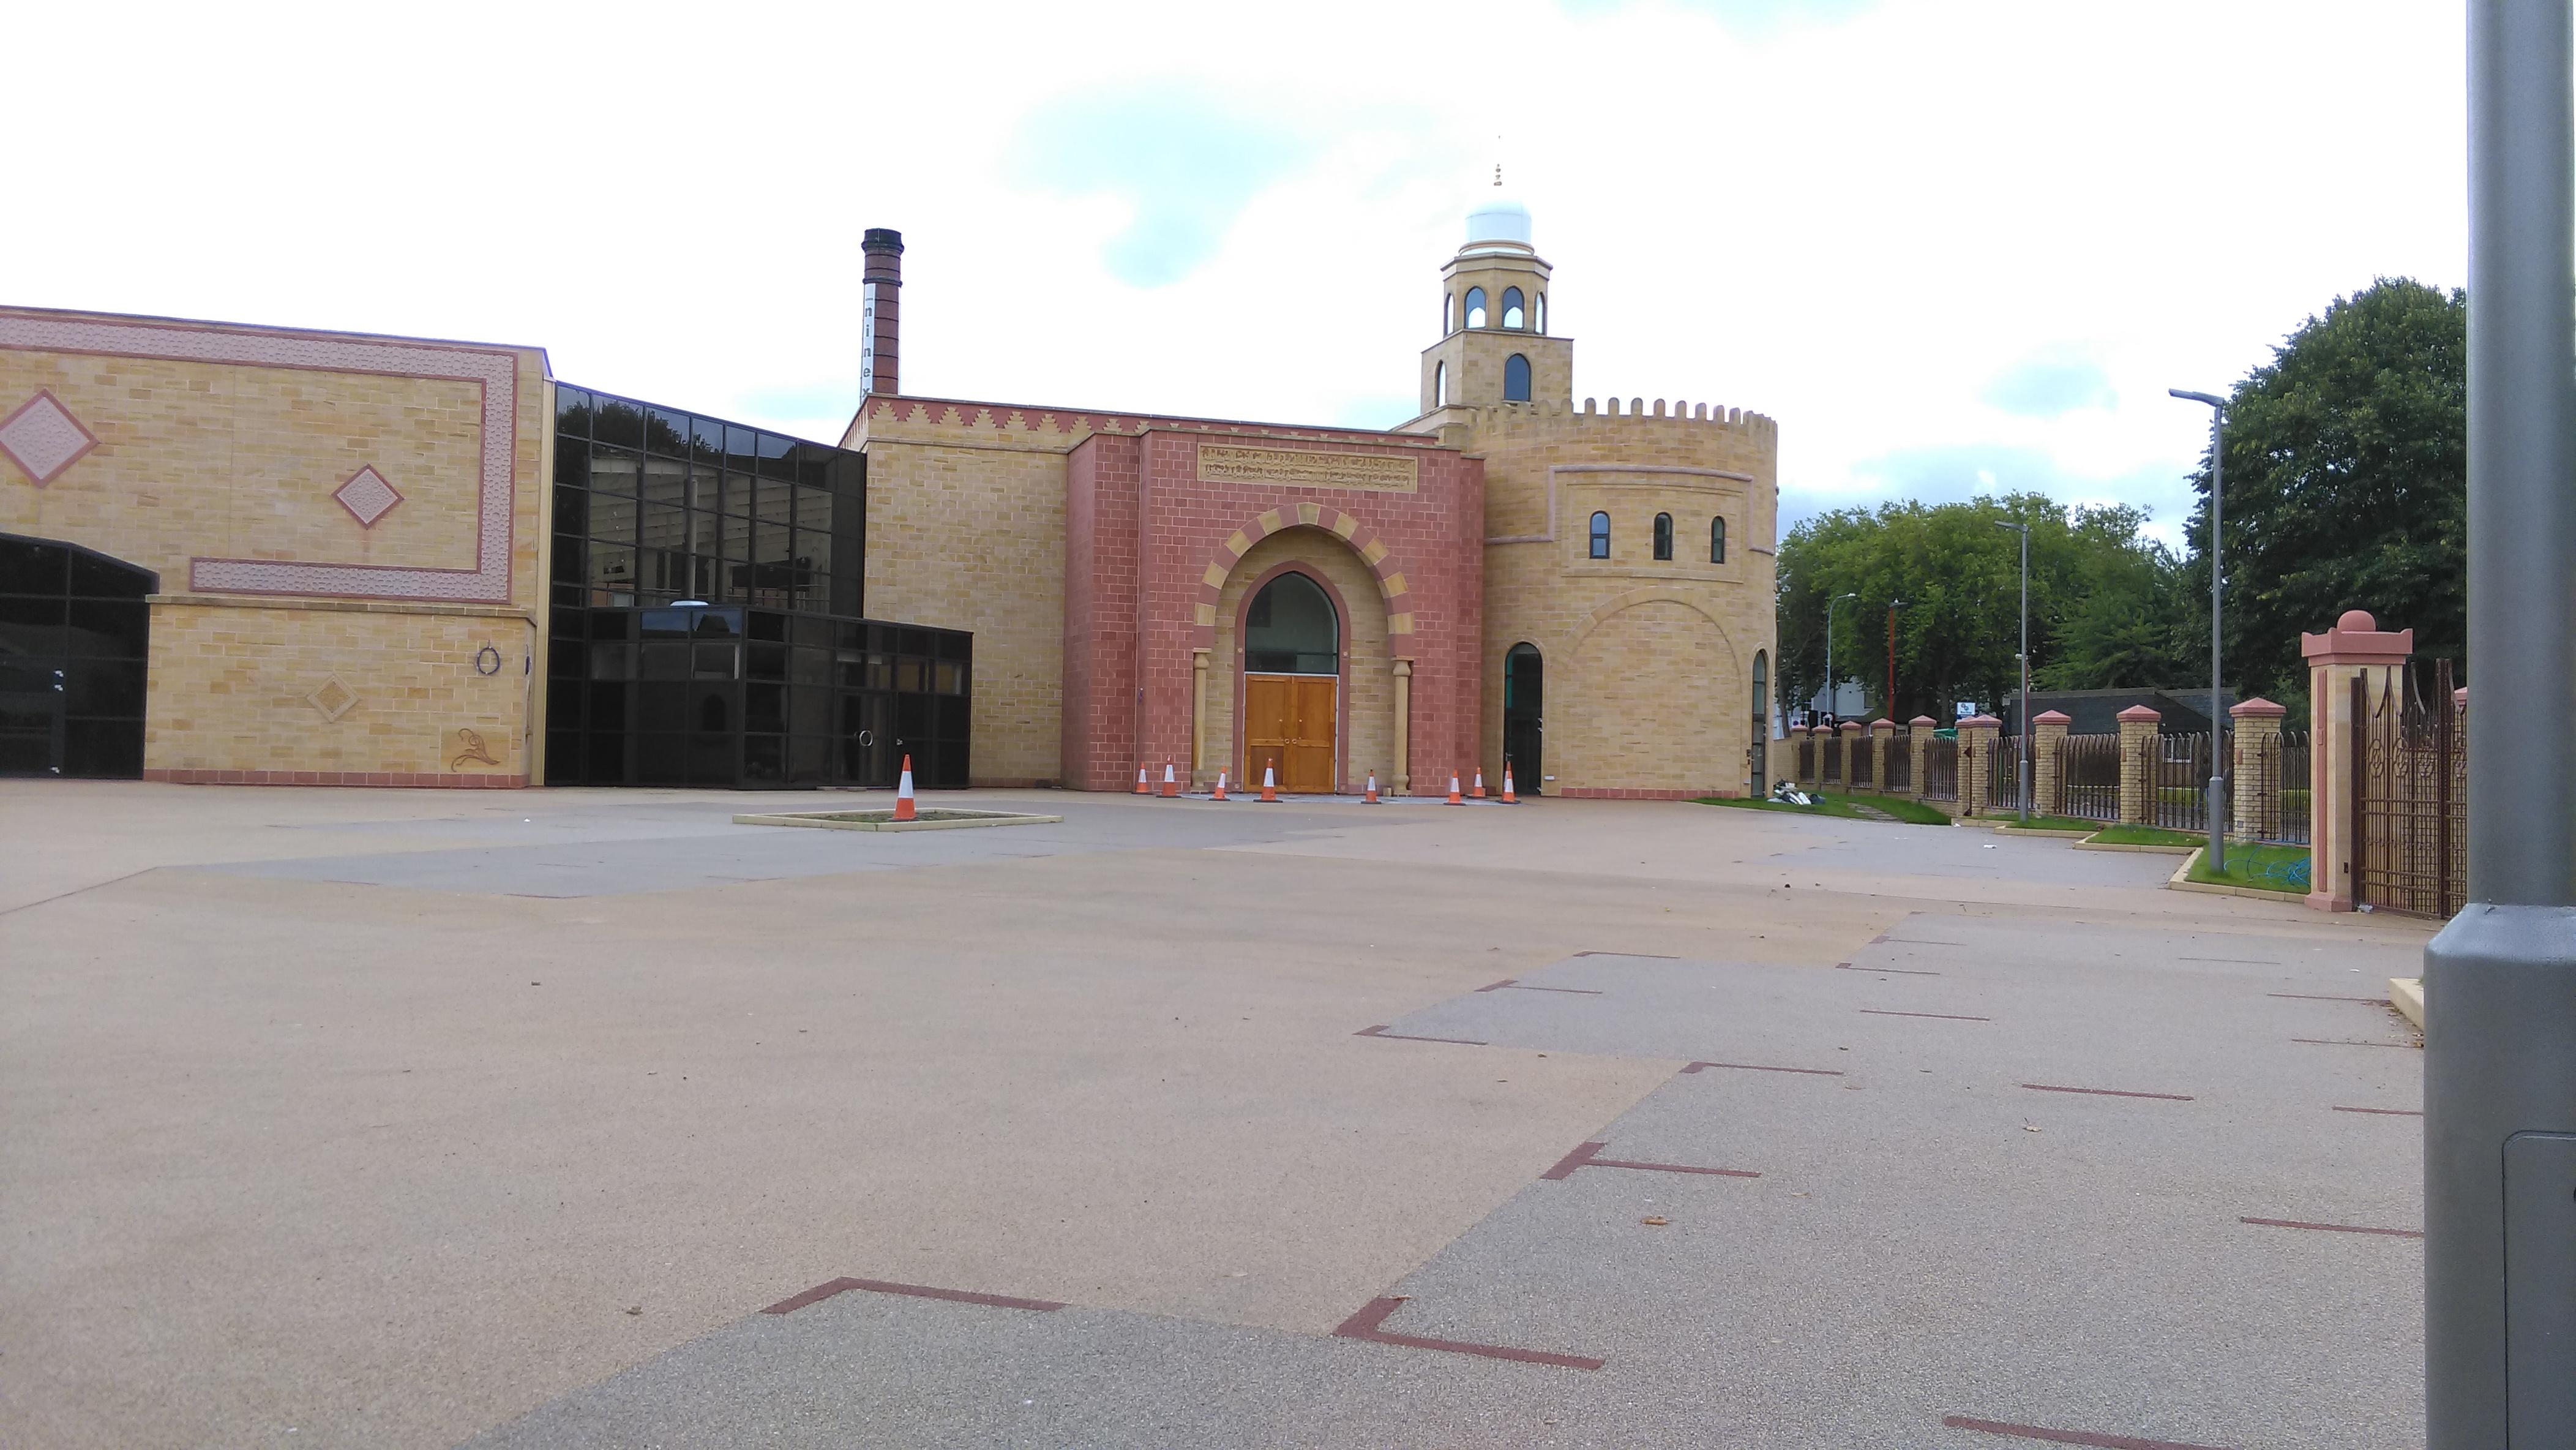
(394, 1120)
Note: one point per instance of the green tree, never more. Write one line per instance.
(2101, 600)
(2347, 485)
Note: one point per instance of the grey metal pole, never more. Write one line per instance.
(2217, 803)
(2500, 979)
(2214, 794)
(1831, 697)
(2024, 722)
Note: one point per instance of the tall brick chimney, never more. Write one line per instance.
(880, 318)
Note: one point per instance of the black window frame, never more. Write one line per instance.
(1600, 548)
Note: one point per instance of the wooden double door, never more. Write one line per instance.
(1290, 719)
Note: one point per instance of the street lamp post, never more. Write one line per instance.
(2500, 979)
(2022, 765)
(1891, 656)
(2217, 708)
(1829, 646)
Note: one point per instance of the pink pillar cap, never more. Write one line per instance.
(2052, 717)
(2138, 714)
(1925, 721)
(2257, 706)
(1852, 727)
(1985, 722)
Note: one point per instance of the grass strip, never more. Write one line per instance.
(2146, 836)
(2267, 868)
(1910, 812)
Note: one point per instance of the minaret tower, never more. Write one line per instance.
(1494, 345)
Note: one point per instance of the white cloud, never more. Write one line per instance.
(1853, 218)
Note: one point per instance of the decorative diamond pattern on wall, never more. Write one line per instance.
(332, 697)
(367, 497)
(43, 438)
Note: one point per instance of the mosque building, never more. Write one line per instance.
(236, 554)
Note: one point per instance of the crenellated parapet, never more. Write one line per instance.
(938, 420)
(1596, 417)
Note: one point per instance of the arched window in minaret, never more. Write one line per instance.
(1515, 311)
(1538, 318)
(1516, 379)
(1475, 307)
(1717, 541)
(1600, 536)
(1440, 385)
(1448, 313)
(1664, 536)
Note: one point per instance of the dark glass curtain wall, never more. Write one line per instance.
(74, 630)
(768, 676)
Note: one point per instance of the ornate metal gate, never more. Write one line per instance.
(2410, 796)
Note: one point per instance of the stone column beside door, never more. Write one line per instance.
(2256, 784)
(2047, 730)
(2138, 764)
(2356, 648)
(1978, 738)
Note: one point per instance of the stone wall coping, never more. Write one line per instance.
(339, 606)
(2357, 639)
(2258, 706)
(2052, 717)
(2141, 715)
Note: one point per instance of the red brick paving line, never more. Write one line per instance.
(1380, 1031)
(826, 1290)
(2349, 1042)
(1365, 1326)
(1585, 1155)
(1899, 971)
(2039, 1087)
(1759, 1067)
(1518, 985)
(2304, 997)
(2333, 1228)
(2066, 1437)
(1943, 1016)
(2386, 1112)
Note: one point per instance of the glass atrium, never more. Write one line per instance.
(707, 595)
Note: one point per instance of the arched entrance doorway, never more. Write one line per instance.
(1524, 699)
(1758, 754)
(1292, 666)
(73, 631)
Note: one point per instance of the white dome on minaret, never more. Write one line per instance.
(1499, 220)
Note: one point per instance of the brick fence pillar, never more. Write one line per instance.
(1855, 743)
(2254, 774)
(2046, 731)
(1978, 740)
(1918, 742)
(2137, 764)
(1882, 743)
(2356, 648)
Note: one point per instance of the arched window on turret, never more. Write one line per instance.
(1664, 536)
(1538, 321)
(1514, 311)
(1448, 313)
(1600, 536)
(1475, 307)
(1516, 382)
(1717, 541)
(1440, 385)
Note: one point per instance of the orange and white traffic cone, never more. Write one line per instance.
(1479, 791)
(1509, 799)
(1269, 781)
(1141, 787)
(1171, 787)
(1370, 799)
(1453, 790)
(903, 810)
(1220, 785)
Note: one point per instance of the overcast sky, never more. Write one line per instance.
(1949, 244)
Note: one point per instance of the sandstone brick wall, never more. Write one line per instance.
(335, 692)
(966, 530)
(217, 453)
(1648, 664)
